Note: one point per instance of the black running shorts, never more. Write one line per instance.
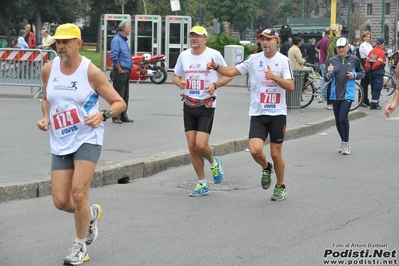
(263, 125)
(199, 119)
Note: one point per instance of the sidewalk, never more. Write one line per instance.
(153, 143)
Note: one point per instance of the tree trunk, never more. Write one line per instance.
(37, 20)
(6, 26)
(99, 39)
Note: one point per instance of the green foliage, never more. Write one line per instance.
(233, 11)
(93, 56)
(218, 42)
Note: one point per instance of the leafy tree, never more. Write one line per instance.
(237, 12)
(290, 9)
(13, 13)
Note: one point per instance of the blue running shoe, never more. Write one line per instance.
(199, 190)
(217, 171)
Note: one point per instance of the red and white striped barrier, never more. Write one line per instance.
(28, 55)
(22, 67)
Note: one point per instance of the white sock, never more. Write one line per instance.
(81, 241)
(203, 181)
(214, 163)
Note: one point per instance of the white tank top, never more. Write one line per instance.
(71, 99)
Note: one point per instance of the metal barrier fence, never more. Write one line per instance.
(23, 67)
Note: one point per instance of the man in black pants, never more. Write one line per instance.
(121, 66)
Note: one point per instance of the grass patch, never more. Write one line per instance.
(93, 56)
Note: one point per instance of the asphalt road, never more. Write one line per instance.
(336, 204)
(154, 142)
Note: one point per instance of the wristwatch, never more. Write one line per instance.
(106, 114)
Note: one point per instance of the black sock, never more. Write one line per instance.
(269, 167)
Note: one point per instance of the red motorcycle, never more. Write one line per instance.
(146, 66)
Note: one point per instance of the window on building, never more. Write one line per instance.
(386, 34)
(352, 8)
(369, 9)
(387, 8)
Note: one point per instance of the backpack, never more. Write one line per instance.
(394, 59)
(357, 53)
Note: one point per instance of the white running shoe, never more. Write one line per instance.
(92, 232)
(76, 255)
(346, 148)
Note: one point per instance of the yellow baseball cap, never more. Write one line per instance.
(67, 31)
(199, 30)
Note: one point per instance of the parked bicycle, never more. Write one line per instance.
(312, 86)
(389, 85)
(313, 89)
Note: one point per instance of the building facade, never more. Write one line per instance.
(377, 16)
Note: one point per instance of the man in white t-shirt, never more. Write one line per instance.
(271, 75)
(199, 85)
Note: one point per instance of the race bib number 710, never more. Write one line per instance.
(272, 98)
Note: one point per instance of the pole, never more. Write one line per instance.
(396, 26)
(358, 19)
(383, 20)
(200, 11)
(303, 8)
(145, 8)
(349, 18)
(333, 18)
(185, 7)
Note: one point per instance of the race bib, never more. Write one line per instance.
(65, 120)
(195, 86)
(269, 99)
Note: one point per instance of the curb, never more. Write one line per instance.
(146, 167)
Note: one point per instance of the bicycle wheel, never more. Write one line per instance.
(388, 85)
(248, 83)
(307, 93)
(358, 97)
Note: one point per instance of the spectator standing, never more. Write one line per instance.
(30, 37)
(46, 39)
(304, 49)
(286, 47)
(364, 50)
(312, 57)
(322, 49)
(295, 55)
(199, 85)
(335, 33)
(375, 63)
(21, 40)
(122, 63)
(342, 71)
